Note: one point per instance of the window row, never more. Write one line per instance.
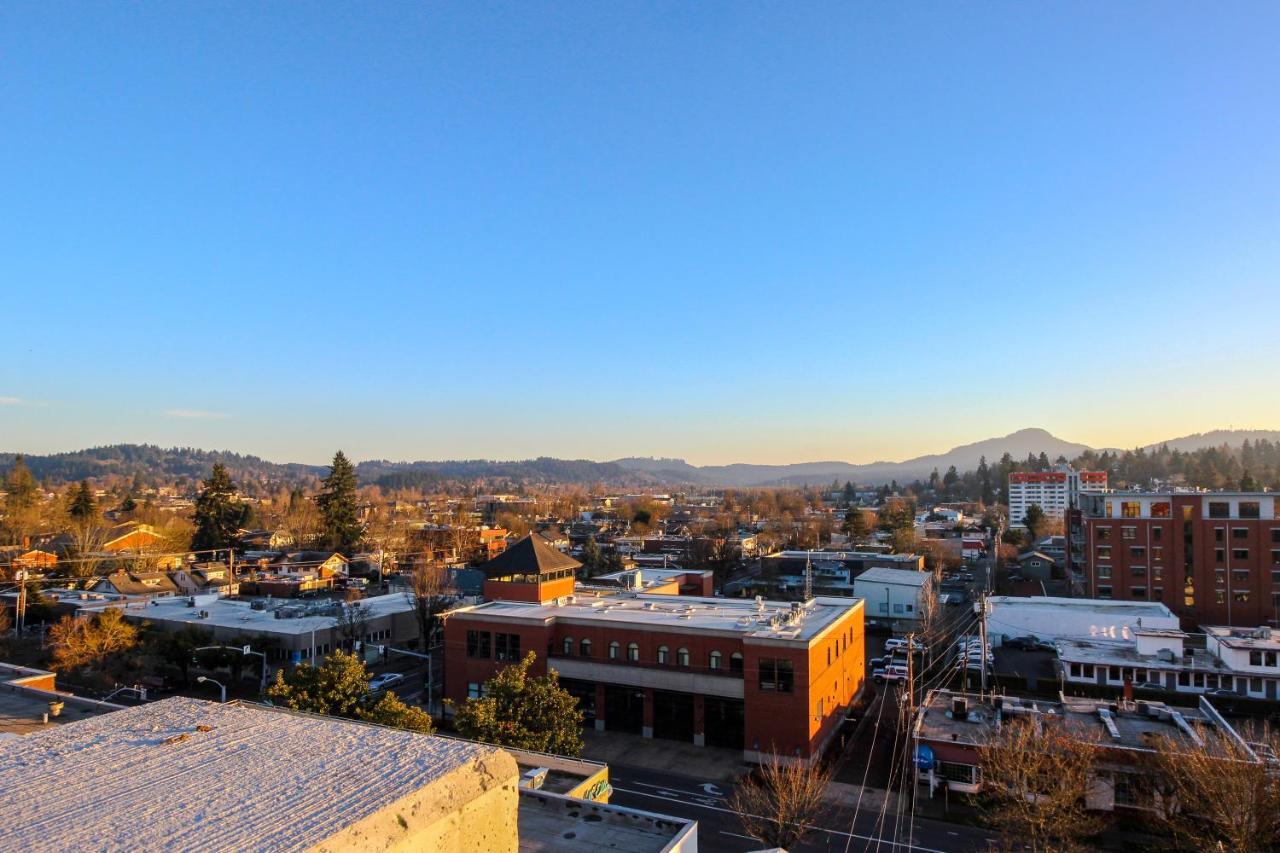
(662, 655)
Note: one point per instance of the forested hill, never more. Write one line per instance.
(151, 465)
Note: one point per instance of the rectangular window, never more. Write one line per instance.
(1138, 571)
(1275, 535)
(1157, 534)
(1104, 592)
(1104, 534)
(1239, 553)
(1104, 572)
(1104, 552)
(507, 647)
(1250, 509)
(1219, 533)
(1219, 509)
(1157, 593)
(1275, 558)
(478, 644)
(1137, 552)
(1138, 592)
(776, 674)
(1087, 669)
(1219, 555)
(1075, 670)
(1239, 533)
(964, 774)
(473, 690)
(1128, 533)
(1184, 679)
(1160, 509)
(1157, 553)
(1255, 658)
(1131, 509)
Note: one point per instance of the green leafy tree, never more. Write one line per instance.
(523, 711)
(217, 513)
(339, 687)
(337, 502)
(83, 507)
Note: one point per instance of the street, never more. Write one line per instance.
(875, 828)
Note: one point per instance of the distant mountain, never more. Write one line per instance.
(1217, 438)
(965, 457)
(161, 465)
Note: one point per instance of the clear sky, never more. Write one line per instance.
(724, 231)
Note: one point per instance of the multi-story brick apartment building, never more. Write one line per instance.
(751, 675)
(1211, 557)
(1053, 491)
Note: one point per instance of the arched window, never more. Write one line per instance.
(735, 662)
(568, 646)
(613, 650)
(584, 648)
(682, 656)
(662, 654)
(633, 652)
(714, 660)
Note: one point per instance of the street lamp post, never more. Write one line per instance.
(221, 687)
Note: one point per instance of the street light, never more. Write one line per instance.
(222, 687)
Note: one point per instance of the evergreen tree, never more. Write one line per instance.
(337, 502)
(83, 506)
(218, 513)
(855, 525)
(1034, 519)
(524, 712)
(988, 495)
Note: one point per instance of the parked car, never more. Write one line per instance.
(382, 682)
(893, 644)
(1221, 693)
(1025, 643)
(1149, 685)
(893, 672)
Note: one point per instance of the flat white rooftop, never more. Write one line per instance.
(149, 778)
(239, 614)
(1153, 608)
(776, 620)
(894, 577)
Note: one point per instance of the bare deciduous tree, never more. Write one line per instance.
(430, 593)
(91, 643)
(1218, 796)
(1036, 775)
(779, 802)
(352, 623)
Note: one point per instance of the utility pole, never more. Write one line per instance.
(911, 676)
(21, 609)
(982, 603)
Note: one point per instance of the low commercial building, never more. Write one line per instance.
(757, 676)
(897, 596)
(286, 632)
(1051, 618)
(655, 581)
(952, 729)
(1241, 660)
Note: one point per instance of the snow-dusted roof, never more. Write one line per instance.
(259, 778)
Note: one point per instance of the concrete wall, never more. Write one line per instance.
(471, 810)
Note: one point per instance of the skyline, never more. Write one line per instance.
(722, 233)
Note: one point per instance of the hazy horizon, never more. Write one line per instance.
(727, 233)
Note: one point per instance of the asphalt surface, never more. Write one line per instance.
(844, 827)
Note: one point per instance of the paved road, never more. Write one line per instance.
(720, 832)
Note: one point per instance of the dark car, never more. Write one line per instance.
(1222, 693)
(1024, 643)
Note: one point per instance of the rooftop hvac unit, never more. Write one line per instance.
(959, 707)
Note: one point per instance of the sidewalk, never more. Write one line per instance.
(706, 763)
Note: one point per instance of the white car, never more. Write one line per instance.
(893, 644)
(382, 682)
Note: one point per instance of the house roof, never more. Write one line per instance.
(531, 555)
(1027, 555)
(140, 583)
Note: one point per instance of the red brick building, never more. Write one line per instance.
(1211, 557)
(751, 675)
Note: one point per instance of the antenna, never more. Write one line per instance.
(808, 575)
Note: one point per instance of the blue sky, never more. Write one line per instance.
(723, 231)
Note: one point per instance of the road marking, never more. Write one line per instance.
(842, 834)
(711, 789)
(667, 789)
